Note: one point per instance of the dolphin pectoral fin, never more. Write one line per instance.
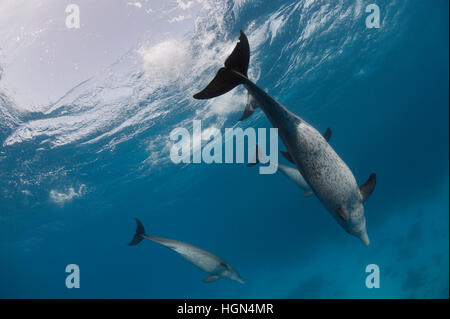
(249, 108)
(287, 156)
(211, 278)
(327, 134)
(342, 213)
(307, 194)
(367, 188)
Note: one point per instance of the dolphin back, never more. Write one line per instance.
(230, 76)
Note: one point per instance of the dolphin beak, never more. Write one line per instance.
(364, 238)
(240, 281)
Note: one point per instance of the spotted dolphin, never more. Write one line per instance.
(325, 172)
(292, 173)
(215, 266)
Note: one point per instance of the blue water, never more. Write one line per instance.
(74, 176)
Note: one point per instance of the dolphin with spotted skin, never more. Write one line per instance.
(215, 266)
(325, 172)
(292, 173)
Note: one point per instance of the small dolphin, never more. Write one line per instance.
(290, 172)
(204, 260)
(325, 172)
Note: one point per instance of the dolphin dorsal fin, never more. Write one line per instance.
(249, 108)
(211, 278)
(327, 135)
(287, 156)
(367, 188)
(342, 213)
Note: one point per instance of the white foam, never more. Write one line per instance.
(62, 197)
(166, 60)
(135, 4)
(179, 18)
(185, 5)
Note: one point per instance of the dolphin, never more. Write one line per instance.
(325, 172)
(292, 173)
(215, 266)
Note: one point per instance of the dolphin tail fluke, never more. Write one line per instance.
(249, 108)
(140, 233)
(230, 76)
